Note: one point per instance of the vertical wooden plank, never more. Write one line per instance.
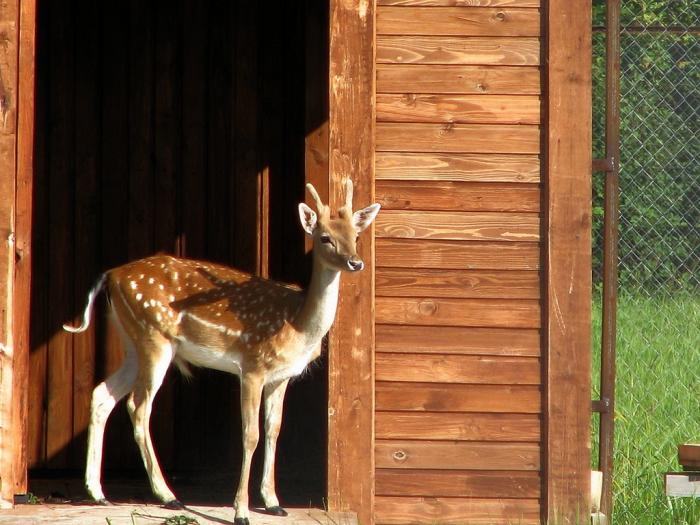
(23, 238)
(351, 358)
(568, 275)
(86, 186)
(248, 188)
(316, 100)
(39, 301)
(9, 108)
(61, 207)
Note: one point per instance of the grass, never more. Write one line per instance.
(657, 404)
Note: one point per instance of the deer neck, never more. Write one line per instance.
(320, 303)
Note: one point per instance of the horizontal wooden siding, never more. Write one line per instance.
(458, 285)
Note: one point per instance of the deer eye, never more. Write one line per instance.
(326, 239)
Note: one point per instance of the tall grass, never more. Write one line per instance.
(657, 404)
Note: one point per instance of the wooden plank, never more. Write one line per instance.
(474, 80)
(455, 511)
(60, 291)
(457, 196)
(457, 428)
(458, 340)
(36, 444)
(458, 138)
(568, 223)
(23, 244)
(504, 51)
(436, 368)
(351, 340)
(689, 456)
(458, 226)
(461, 109)
(467, 284)
(87, 214)
(462, 3)
(457, 455)
(458, 21)
(456, 484)
(457, 167)
(420, 253)
(452, 398)
(682, 484)
(497, 313)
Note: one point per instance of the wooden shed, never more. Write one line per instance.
(456, 387)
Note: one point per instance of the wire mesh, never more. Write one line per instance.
(658, 341)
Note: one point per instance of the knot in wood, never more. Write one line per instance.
(500, 16)
(427, 307)
(399, 455)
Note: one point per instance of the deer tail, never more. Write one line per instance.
(92, 295)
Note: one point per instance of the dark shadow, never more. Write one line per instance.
(155, 125)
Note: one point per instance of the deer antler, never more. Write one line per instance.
(317, 200)
(348, 194)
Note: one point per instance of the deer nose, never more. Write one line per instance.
(355, 264)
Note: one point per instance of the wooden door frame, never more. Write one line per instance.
(351, 341)
(567, 308)
(18, 29)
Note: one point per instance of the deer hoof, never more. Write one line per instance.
(241, 521)
(275, 511)
(174, 505)
(102, 501)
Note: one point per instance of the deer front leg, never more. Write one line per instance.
(251, 393)
(274, 403)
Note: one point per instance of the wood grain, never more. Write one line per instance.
(468, 284)
(351, 340)
(458, 138)
(457, 196)
(462, 3)
(568, 223)
(453, 398)
(452, 510)
(458, 340)
(465, 80)
(461, 109)
(493, 427)
(457, 167)
(504, 51)
(458, 21)
(458, 226)
(498, 313)
(457, 455)
(436, 368)
(458, 484)
(412, 253)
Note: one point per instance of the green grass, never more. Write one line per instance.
(657, 404)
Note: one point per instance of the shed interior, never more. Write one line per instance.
(176, 127)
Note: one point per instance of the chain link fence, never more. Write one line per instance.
(658, 341)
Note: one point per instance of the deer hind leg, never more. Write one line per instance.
(273, 395)
(156, 355)
(251, 393)
(104, 397)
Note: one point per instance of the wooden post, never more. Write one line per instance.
(568, 262)
(351, 343)
(16, 138)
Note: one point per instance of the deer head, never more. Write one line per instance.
(335, 238)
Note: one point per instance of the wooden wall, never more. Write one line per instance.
(176, 127)
(458, 379)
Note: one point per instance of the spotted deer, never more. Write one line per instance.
(173, 310)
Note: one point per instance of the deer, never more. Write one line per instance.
(171, 310)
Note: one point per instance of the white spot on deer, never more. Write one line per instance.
(153, 302)
(139, 296)
(151, 280)
(133, 285)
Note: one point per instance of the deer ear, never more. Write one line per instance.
(308, 218)
(361, 219)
